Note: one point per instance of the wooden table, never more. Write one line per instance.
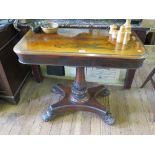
(80, 48)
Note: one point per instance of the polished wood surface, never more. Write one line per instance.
(81, 42)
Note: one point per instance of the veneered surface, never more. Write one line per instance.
(83, 42)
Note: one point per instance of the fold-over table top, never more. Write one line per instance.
(80, 42)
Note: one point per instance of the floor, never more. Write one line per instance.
(133, 110)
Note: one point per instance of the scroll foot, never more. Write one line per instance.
(105, 92)
(108, 119)
(47, 115)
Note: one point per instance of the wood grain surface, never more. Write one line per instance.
(85, 42)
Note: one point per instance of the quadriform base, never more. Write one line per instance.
(79, 97)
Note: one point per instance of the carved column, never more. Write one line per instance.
(79, 91)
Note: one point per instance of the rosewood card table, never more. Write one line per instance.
(80, 48)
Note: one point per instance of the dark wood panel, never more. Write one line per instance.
(13, 69)
(141, 33)
(59, 60)
(4, 85)
(6, 35)
(12, 73)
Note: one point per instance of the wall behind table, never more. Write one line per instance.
(108, 76)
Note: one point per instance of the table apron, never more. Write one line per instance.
(80, 61)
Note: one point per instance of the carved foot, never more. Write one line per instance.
(108, 119)
(48, 114)
(102, 111)
(105, 92)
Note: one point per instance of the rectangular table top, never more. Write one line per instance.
(79, 42)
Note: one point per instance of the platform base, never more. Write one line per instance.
(66, 105)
